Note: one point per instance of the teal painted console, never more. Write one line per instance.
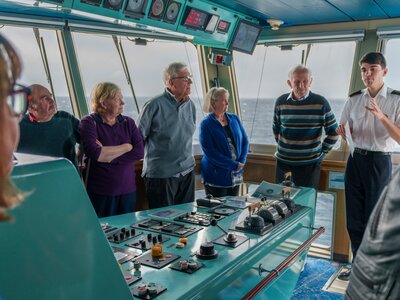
(56, 248)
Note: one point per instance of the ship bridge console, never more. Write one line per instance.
(57, 248)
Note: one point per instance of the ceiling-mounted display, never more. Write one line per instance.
(92, 2)
(157, 9)
(172, 12)
(113, 4)
(245, 37)
(135, 8)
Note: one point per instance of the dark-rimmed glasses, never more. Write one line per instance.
(18, 99)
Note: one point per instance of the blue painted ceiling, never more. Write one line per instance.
(307, 12)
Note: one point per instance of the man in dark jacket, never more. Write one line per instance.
(375, 272)
(46, 131)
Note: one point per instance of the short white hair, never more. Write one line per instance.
(299, 69)
(212, 97)
(172, 70)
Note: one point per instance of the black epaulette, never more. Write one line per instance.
(355, 93)
(395, 92)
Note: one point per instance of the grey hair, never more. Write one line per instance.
(172, 70)
(212, 97)
(299, 69)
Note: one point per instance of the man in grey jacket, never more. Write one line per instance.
(167, 124)
(375, 271)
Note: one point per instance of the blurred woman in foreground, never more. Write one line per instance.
(13, 104)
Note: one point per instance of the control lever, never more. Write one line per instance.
(288, 180)
(230, 237)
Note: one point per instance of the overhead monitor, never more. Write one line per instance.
(195, 18)
(245, 37)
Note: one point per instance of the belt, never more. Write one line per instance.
(367, 152)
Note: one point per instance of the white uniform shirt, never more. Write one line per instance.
(368, 132)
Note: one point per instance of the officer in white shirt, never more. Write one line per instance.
(373, 115)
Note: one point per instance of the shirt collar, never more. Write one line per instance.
(173, 97)
(382, 92)
(32, 119)
(290, 96)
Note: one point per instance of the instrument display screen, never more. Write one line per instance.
(195, 18)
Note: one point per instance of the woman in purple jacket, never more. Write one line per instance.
(225, 145)
(112, 144)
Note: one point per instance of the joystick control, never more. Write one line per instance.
(230, 237)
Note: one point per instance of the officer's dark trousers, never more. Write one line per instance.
(366, 176)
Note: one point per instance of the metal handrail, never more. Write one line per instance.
(275, 272)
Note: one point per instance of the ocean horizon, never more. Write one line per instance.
(256, 115)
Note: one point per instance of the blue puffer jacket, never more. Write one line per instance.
(217, 164)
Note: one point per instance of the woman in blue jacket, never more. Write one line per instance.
(225, 145)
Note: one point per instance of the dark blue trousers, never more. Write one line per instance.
(365, 178)
(221, 191)
(162, 192)
(106, 206)
(305, 175)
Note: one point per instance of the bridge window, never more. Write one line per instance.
(33, 66)
(99, 61)
(391, 54)
(392, 78)
(262, 78)
(147, 63)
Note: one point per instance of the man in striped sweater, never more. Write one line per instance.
(299, 120)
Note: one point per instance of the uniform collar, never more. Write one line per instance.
(382, 92)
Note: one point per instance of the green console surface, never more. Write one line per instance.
(56, 248)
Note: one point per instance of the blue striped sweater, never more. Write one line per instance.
(297, 128)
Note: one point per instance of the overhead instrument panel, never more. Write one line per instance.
(135, 8)
(172, 12)
(113, 4)
(195, 19)
(208, 23)
(223, 26)
(212, 23)
(63, 3)
(157, 9)
(92, 2)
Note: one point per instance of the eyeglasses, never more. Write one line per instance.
(18, 99)
(184, 78)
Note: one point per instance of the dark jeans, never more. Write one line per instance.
(106, 206)
(365, 178)
(162, 192)
(305, 175)
(221, 192)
